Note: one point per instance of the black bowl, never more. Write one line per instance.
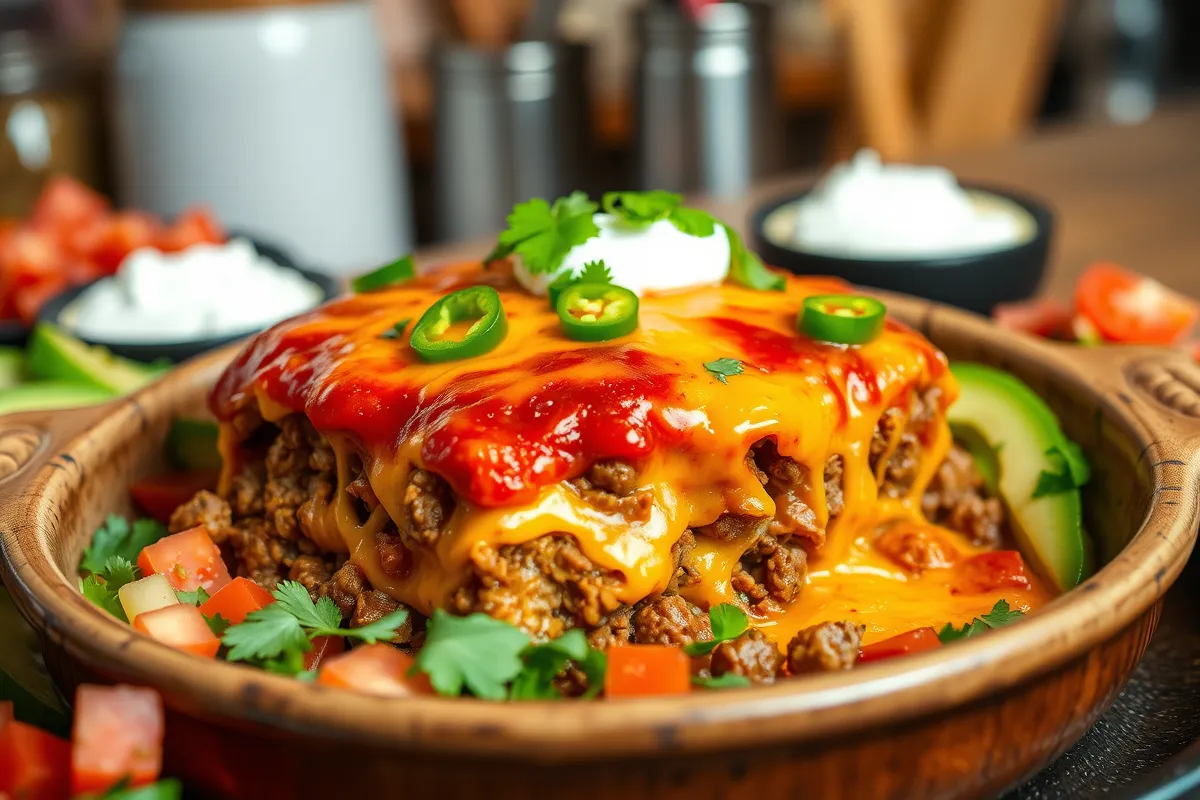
(176, 352)
(976, 282)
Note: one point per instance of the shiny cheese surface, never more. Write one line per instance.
(506, 429)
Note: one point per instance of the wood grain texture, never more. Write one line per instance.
(963, 721)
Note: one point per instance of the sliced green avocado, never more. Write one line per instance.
(57, 356)
(47, 395)
(192, 444)
(1022, 452)
(12, 367)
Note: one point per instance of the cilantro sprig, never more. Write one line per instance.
(101, 586)
(117, 537)
(278, 636)
(641, 209)
(494, 660)
(746, 268)
(1070, 470)
(724, 368)
(730, 680)
(592, 272)
(542, 234)
(998, 617)
(728, 622)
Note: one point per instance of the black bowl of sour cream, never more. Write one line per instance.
(967, 245)
(150, 314)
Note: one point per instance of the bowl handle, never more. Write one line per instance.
(1160, 387)
(29, 441)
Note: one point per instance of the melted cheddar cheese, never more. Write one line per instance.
(507, 429)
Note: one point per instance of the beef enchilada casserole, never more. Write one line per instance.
(557, 443)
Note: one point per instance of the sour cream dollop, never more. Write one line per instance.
(868, 209)
(205, 291)
(657, 258)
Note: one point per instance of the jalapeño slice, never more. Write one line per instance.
(399, 270)
(597, 312)
(479, 303)
(842, 318)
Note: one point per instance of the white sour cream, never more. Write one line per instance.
(866, 209)
(657, 258)
(205, 291)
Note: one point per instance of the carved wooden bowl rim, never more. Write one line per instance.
(1126, 383)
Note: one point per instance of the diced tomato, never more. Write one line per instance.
(1043, 317)
(118, 735)
(900, 645)
(643, 670)
(29, 301)
(194, 226)
(323, 649)
(181, 626)
(160, 495)
(237, 599)
(374, 669)
(33, 764)
(188, 559)
(66, 203)
(1130, 308)
(106, 242)
(988, 572)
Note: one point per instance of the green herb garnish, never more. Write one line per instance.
(542, 234)
(543, 663)
(640, 209)
(1071, 470)
(998, 617)
(163, 790)
(724, 368)
(476, 652)
(116, 537)
(101, 587)
(396, 331)
(730, 680)
(285, 629)
(728, 622)
(746, 268)
(196, 598)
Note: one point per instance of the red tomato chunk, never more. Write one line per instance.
(159, 496)
(323, 649)
(189, 560)
(902, 644)
(236, 600)
(33, 764)
(118, 736)
(180, 626)
(378, 669)
(645, 670)
(988, 572)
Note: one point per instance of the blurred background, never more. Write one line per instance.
(348, 131)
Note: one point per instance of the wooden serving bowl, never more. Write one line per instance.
(962, 721)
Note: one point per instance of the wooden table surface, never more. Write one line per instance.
(1129, 194)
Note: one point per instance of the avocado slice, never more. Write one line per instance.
(55, 355)
(12, 367)
(1032, 465)
(47, 395)
(192, 444)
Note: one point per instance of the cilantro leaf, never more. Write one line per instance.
(543, 663)
(1000, 615)
(747, 269)
(693, 221)
(1070, 470)
(595, 667)
(217, 624)
(397, 330)
(98, 594)
(265, 634)
(723, 368)
(381, 630)
(475, 652)
(730, 680)
(594, 272)
(163, 790)
(542, 234)
(117, 572)
(641, 208)
(116, 537)
(323, 615)
(728, 622)
(196, 598)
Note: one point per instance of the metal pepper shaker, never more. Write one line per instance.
(706, 117)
